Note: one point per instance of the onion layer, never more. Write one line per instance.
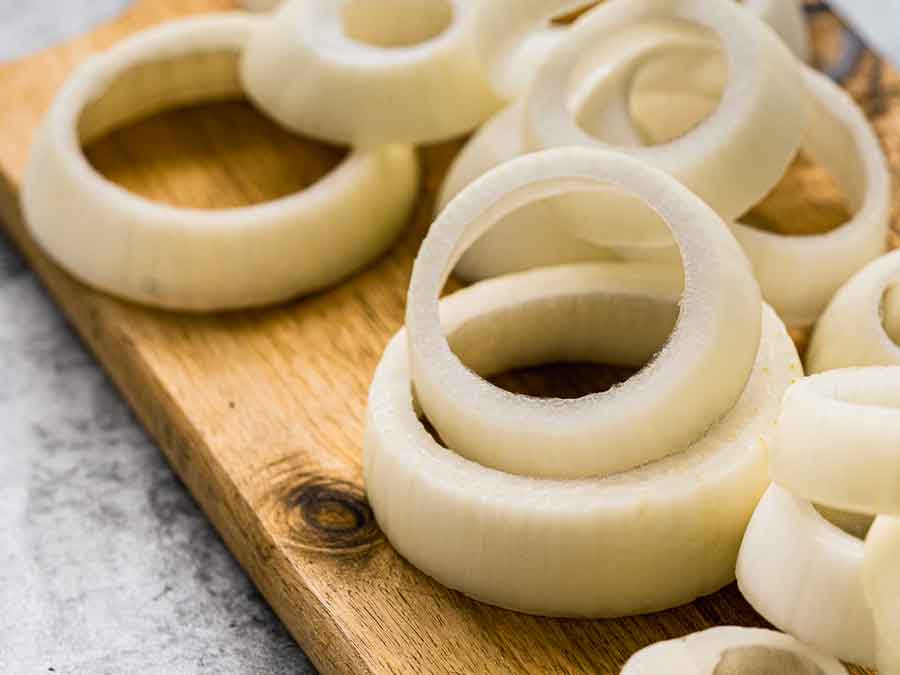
(515, 33)
(800, 274)
(804, 575)
(762, 114)
(367, 72)
(731, 650)
(881, 579)
(694, 379)
(869, 305)
(644, 540)
(669, 76)
(838, 440)
(187, 258)
(632, 102)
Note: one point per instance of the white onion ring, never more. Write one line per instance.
(798, 274)
(305, 69)
(869, 304)
(804, 575)
(644, 540)
(731, 650)
(694, 379)
(762, 114)
(187, 258)
(515, 32)
(838, 440)
(881, 579)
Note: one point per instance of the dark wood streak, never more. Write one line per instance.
(319, 513)
(335, 512)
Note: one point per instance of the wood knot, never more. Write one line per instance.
(337, 509)
(329, 515)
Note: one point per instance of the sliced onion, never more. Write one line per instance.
(762, 114)
(514, 35)
(838, 440)
(644, 540)
(693, 380)
(881, 579)
(800, 274)
(854, 329)
(804, 575)
(605, 104)
(729, 650)
(305, 68)
(188, 258)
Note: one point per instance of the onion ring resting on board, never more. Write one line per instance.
(190, 259)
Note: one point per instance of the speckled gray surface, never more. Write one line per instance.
(107, 565)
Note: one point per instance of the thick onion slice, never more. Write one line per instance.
(732, 158)
(696, 377)
(188, 258)
(881, 579)
(838, 440)
(730, 650)
(861, 326)
(804, 575)
(511, 33)
(644, 540)
(800, 274)
(367, 72)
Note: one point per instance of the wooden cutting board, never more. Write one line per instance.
(261, 413)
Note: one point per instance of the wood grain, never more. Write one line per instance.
(261, 413)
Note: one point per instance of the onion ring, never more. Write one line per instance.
(881, 580)
(804, 575)
(309, 68)
(570, 548)
(694, 380)
(798, 274)
(513, 32)
(190, 259)
(870, 304)
(838, 440)
(762, 114)
(729, 649)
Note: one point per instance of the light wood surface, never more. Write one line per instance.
(261, 413)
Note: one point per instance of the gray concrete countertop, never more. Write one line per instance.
(107, 565)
